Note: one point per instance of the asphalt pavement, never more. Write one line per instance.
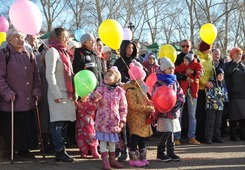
(229, 155)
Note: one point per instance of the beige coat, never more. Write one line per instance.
(138, 110)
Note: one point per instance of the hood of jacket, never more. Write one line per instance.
(123, 48)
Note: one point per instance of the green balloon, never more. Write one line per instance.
(85, 82)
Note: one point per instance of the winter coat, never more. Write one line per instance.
(123, 69)
(175, 112)
(85, 132)
(216, 96)
(138, 110)
(65, 110)
(206, 60)
(235, 80)
(19, 77)
(150, 68)
(111, 109)
(87, 60)
(197, 68)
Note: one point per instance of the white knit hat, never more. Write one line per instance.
(166, 63)
(72, 43)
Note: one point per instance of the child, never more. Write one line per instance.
(168, 123)
(150, 63)
(215, 98)
(138, 109)
(190, 88)
(190, 62)
(85, 132)
(110, 116)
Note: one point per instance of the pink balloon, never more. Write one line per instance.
(4, 24)
(150, 81)
(26, 17)
(127, 34)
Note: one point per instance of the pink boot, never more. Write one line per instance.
(105, 161)
(143, 156)
(113, 162)
(94, 152)
(134, 159)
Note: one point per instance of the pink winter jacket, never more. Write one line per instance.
(112, 109)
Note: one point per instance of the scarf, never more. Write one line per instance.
(166, 78)
(66, 57)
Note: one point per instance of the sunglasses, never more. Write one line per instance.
(183, 46)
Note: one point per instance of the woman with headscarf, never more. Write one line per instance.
(60, 90)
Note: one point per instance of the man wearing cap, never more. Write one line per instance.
(20, 85)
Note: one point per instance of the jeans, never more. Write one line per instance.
(59, 131)
(191, 105)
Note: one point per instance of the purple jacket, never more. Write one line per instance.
(19, 78)
(112, 109)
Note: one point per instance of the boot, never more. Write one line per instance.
(105, 162)
(94, 152)
(143, 156)
(63, 156)
(161, 148)
(113, 162)
(242, 133)
(124, 154)
(134, 159)
(170, 150)
(233, 132)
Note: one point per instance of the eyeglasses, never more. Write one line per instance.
(183, 46)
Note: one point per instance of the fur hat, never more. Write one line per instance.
(189, 57)
(85, 37)
(219, 71)
(72, 43)
(11, 32)
(136, 71)
(166, 63)
(235, 49)
(114, 70)
(204, 46)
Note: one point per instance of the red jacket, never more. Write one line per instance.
(197, 68)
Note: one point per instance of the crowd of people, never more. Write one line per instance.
(111, 121)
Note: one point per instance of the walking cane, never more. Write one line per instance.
(12, 131)
(40, 129)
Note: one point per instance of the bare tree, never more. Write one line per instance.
(52, 10)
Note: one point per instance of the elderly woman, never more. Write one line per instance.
(20, 85)
(235, 80)
(60, 90)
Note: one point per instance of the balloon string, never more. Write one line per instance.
(60, 60)
(142, 93)
(84, 84)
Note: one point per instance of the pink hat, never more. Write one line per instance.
(135, 72)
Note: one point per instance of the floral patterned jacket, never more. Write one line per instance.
(112, 109)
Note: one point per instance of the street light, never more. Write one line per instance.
(131, 26)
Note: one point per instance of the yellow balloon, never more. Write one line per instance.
(208, 33)
(111, 33)
(169, 52)
(2, 37)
